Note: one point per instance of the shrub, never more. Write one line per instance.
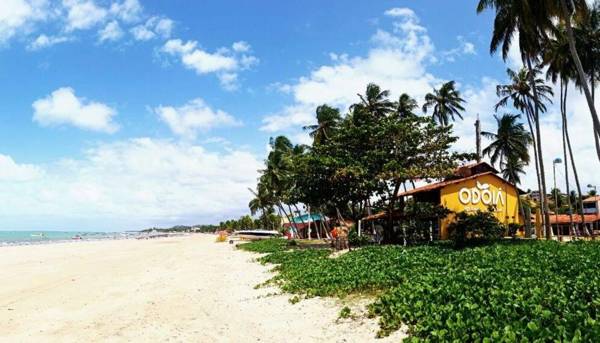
(481, 226)
(355, 240)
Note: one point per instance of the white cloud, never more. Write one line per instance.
(195, 116)
(62, 107)
(17, 16)
(400, 12)
(128, 10)
(153, 27)
(240, 46)
(83, 14)
(43, 41)
(134, 183)
(223, 62)
(464, 48)
(397, 61)
(141, 32)
(14, 172)
(111, 32)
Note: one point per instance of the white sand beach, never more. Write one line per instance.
(181, 289)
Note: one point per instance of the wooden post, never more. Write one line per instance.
(478, 138)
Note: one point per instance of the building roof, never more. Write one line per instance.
(442, 184)
(566, 219)
(592, 199)
(475, 168)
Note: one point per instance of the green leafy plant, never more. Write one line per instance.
(481, 226)
(345, 312)
(506, 291)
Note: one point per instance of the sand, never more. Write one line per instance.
(179, 289)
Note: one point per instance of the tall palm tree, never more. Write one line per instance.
(328, 120)
(519, 93)
(510, 140)
(406, 106)
(446, 103)
(531, 20)
(560, 67)
(566, 10)
(375, 101)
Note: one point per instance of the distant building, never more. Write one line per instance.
(591, 218)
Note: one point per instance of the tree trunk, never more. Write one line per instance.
(529, 116)
(580, 72)
(387, 236)
(568, 138)
(563, 111)
(543, 201)
(290, 220)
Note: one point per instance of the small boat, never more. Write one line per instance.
(253, 235)
(76, 237)
(38, 234)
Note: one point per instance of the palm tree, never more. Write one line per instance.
(587, 39)
(446, 103)
(531, 20)
(566, 11)
(510, 145)
(557, 58)
(512, 169)
(511, 140)
(406, 106)
(328, 120)
(519, 93)
(375, 101)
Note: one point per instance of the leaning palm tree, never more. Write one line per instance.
(446, 103)
(328, 120)
(587, 37)
(566, 10)
(531, 20)
(510, 140)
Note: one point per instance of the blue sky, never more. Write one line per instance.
(121, 114)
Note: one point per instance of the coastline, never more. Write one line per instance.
(185, 288)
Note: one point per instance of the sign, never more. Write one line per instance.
(481, 193)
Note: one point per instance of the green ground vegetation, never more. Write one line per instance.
(503, 292)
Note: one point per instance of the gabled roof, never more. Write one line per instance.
(442, 184)
(592, 199)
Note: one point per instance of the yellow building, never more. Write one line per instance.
(475, 187)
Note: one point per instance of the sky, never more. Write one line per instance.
(126, 114)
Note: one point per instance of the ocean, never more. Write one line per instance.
(41, 237)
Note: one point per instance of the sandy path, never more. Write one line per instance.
(184, 289)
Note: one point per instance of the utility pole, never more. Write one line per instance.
(478, 138)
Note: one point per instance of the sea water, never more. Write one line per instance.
(40, 237)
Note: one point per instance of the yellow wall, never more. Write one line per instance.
(469, 190)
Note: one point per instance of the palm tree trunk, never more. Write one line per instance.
(580, 72)
(568, 138)
(563, 111)
(301, 219)
(529, 116)
(292, 224)
(543, 201)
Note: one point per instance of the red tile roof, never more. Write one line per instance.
(592, 199)
(565, 218)
(442, 184)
